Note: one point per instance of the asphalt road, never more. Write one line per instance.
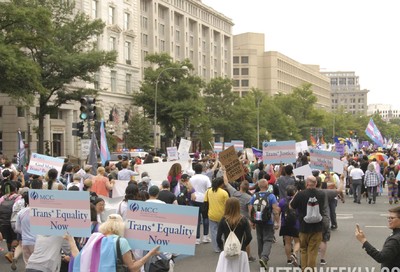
(343, 249)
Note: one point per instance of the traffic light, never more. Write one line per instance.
(80, 126)
(88, 108)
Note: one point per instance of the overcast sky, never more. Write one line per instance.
(338, 35)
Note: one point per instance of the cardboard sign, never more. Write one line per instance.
(319, 159)
(279, 152)
(173, 227)
(54, 212)
(230, 161)
(40, 164)
(172, 153)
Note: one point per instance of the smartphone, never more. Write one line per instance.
(358, 227)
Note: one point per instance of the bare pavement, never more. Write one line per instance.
(344, 251)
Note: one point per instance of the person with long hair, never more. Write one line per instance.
(174, 176)
(216, 198)
(51, 181)
(239, 224)
(131, 193)
(110, 234)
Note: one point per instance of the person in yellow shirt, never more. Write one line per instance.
(216, 198)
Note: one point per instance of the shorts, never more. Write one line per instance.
(289, 231)
(326, 236)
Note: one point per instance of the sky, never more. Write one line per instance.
(338, 35)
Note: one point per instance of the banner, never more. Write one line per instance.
(319, 159)
(172, 153)
(159, 171)
(218, 147)
(119, 188)
(183, 149)
(239, 145)
(39, 164)
(339, 148)
(227, 145)
(54, 212)
(172, 227)
(257, 152)
(230, 161)
(279, 152)
(373, 133)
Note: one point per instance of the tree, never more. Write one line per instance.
(221, 103)
(178, 94)
(53, 46)
(140, 132)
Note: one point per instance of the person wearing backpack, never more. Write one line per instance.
(235, 229)
(310, 204)
(261, 207)
(391, 173)
(290, 227)
(6, 205)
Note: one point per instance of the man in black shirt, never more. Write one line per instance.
(166, 195)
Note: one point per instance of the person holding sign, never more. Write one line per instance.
(110, 235)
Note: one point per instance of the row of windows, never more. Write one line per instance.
(343, 81)
(241, 83)
(113, 82)
(111, 16)
(242, 71)
(243, 59)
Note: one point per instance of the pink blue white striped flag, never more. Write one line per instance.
(104, 151)
(373, 132)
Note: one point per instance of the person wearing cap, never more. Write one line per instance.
(166, 195)
(153, 194)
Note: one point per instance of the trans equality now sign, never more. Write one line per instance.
(172, 227)
(57, 212)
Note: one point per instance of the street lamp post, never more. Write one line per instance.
(126, 132)
(155, 102)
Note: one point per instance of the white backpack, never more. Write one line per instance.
(313, 214)
(232, 247)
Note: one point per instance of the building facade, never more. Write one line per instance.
(386, 111)
(183, 28)
(346, 92)
(273, 72)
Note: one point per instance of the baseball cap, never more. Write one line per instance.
(154, 190)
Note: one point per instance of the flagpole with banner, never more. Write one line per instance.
(93, 152)
(104, 151)
(21, 152)
(373, 133)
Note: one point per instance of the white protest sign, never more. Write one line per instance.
(54, 212)
(40, 164)
(85, 148)
(172, 153)
(184, 148)
(338, 166)
(304, 170)
(119, 188)
(250, 154)
(159, 171)
(301, 146)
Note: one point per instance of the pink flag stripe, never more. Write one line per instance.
(72, 223)
(65, 204)
(165, 218)
(173, 238)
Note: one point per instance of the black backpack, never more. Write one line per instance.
(6, 209)
(290, 215)
(182, 197)
(261, 209)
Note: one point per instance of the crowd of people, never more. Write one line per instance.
(268, 198)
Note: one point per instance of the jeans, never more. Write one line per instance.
(332, 211)
(309, 245)
(357, 190)
(213, 232)
(265, 239)
(372, 192)
(202, 214)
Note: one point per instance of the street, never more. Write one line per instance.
(343, 249)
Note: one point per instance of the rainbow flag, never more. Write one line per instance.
(313, 141)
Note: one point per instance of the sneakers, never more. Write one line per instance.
(197, 241)
(322, 262)
(206, 239)
(251, 259)
(263, 263)
(294, 260)
(9, 256)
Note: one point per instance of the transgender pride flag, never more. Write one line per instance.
(373, 132)
(104, 151)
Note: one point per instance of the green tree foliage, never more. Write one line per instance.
(221, 104)
(179, 103)
(140, 132)
(47, 45)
